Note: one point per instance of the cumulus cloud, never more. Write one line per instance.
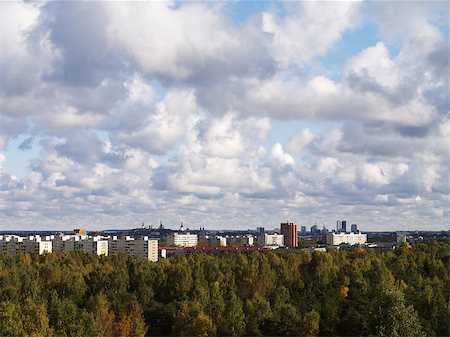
(164, 126)
(300, 140)
(295, 35)
(17, 48)
(178, 110)
(180, 42)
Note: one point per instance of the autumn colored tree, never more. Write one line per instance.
(340, 293)
(102, 317)
(11, 319)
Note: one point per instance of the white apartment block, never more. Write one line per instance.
(271, 240)
(182, 240)
(141, 247)
(69, 243)
(335, 239)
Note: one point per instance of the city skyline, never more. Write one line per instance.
(224, 114)
(186, 227)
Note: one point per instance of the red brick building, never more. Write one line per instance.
(290, 232)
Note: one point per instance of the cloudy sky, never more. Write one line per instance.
(224, 115)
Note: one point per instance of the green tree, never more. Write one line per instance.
(35, 319)
(394, 318)
(232, 322)
(10, 319)
(192, 321)
(103, 319)
(310, 324)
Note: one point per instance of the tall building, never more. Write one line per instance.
(290, 232)
(354, 228)
(303, 230)
(314, 229)
(260, 230)
(344, 226)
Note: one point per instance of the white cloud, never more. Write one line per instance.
(328, 166)
(165, 110)
(413, 23)
(172, 41)
(280, 156)
(165, 126)
(230, 137)
(375, 64)
(300, 140)
(308, 29)
(17, 20)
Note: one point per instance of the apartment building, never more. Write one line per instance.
(16, 245)
(271, 240)
(140, 247)
(290, 232)
(244, 240)
(217, 241)
(92, 245)
(182, 239)
(335, 239)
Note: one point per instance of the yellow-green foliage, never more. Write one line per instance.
(349, 293)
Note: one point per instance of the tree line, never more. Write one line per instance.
(350, 293)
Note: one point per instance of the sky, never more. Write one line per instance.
(225, 115)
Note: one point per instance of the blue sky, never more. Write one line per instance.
(208, 111)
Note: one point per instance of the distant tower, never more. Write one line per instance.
(338, 226)
(344, 226)
(290, 232)
(354, 228)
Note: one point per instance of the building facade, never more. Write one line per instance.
(271, 240)
(182, 240)
(290, 233)
(217, 241)
(244, 240)
(303, 230)
(16, 245)
(141, 247)
(335, 239)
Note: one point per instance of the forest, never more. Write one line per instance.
(339, 293)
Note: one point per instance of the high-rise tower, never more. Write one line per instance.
(290, 232)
